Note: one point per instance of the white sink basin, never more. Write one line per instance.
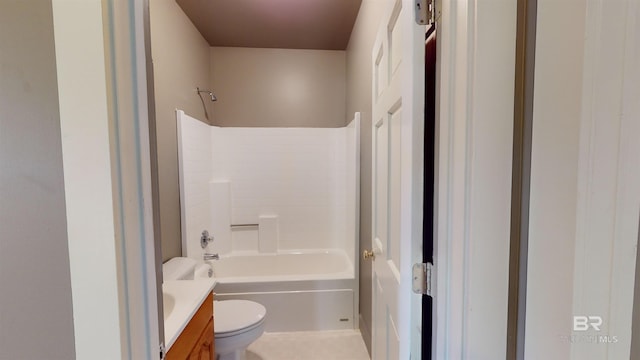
(168, 304)
(182, 299)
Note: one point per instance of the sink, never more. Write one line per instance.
(168, 303)
(181, 300)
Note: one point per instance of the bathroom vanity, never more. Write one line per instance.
(189, 327)
(196, 340)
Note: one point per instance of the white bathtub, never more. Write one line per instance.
(302, 291)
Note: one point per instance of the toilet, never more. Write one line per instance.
(237, 324)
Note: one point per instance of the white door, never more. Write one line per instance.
(398, 123)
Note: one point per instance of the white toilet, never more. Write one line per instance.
(237, 324)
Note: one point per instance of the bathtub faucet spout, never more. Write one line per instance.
(211, 256)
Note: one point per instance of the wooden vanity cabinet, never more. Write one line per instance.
(205, 347)
(197, 341)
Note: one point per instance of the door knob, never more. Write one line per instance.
(368, 255)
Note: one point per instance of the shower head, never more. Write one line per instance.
(213, 97)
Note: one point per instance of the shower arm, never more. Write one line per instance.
(213, 97)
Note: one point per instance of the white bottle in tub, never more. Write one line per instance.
(203, 271)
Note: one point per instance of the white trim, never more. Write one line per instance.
(468, 168)
(356, 216)
(106, 157)
(147, 267)
(474, 133)
(608, 177)
(84, 123)
(449, 255)
(131, 171)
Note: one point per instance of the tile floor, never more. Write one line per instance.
(317, 345)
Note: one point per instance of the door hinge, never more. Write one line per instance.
(422, 278)
(163, 351)
(425, 11)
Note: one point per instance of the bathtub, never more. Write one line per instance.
(302, 291)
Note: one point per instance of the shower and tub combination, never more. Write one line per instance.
(281, 205)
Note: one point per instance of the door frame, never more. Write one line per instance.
(460, 265)
(592, 155)
(100, 64)
(132, 123)
(474, 133)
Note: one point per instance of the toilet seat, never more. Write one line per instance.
(233, 317)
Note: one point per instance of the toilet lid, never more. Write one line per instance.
(234, 315)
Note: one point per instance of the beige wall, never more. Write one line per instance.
(180, 64)
(358, 57)
(278, 87)
(36, 319)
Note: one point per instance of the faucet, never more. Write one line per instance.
(208, 256)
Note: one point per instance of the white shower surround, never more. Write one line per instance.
(302, 185)
(296, 174)
(305, 177)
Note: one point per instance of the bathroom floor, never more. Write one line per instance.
(316, 345)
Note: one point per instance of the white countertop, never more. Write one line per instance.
(188, 295)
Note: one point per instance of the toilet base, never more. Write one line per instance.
(236, 355)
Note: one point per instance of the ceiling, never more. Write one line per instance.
(287, 24)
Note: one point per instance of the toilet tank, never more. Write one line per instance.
(179, 268)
